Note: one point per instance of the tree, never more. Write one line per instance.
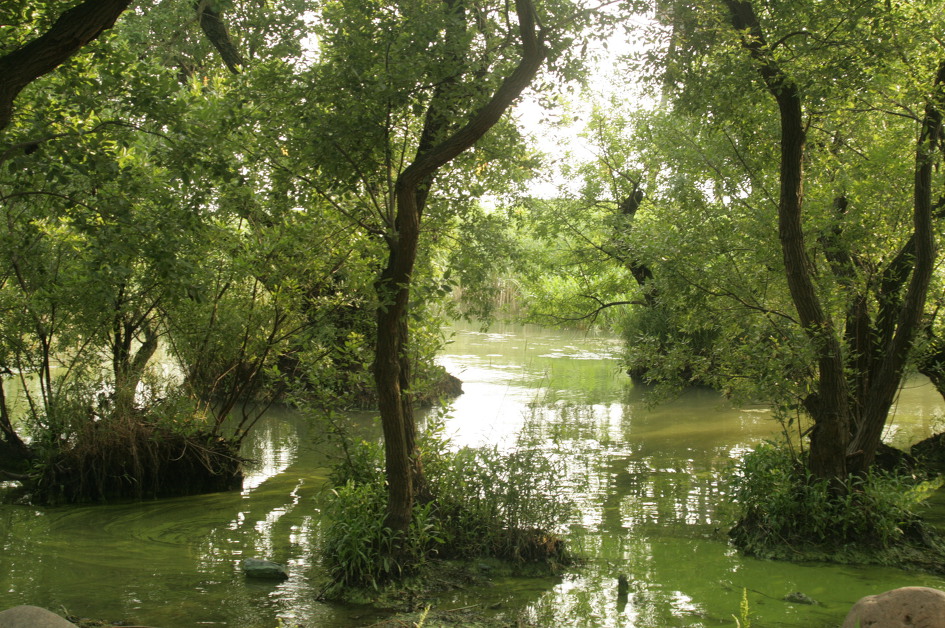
(437, 147)
(110, 200)
(419, 88)
(900, 299)
(851, 87)
(781, 243)
(396, 126)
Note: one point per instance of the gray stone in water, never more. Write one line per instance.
(32, 617)
(799, 598)
(908, 607)
(258, 568)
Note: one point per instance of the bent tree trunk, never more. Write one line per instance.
(74, 29)
(851, 400)
(391, 369)
(829, 407)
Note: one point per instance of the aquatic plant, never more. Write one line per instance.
(785, 512)
(479, 503)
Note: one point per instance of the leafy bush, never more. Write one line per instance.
(481, 503)
(497, 504)
(783, 509)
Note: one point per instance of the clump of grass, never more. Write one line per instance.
(481, 503)
(91, 447)
(784, 512)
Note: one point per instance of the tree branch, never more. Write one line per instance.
(74, 29)
(213, 26)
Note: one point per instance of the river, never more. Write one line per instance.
(646, 478)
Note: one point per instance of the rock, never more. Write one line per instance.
(908, 607)
(258, 568)
(889, 458)
(799, 598)
(32, 617)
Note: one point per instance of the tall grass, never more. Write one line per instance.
(783, 510)
(484, 503)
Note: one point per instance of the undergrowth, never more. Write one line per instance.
(784, 512)
(91, 448)
(482, 503)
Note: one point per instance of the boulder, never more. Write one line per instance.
(258, 568)
(908, 607)
(32, 617)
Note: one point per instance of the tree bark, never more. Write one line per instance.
(74, 29)
(391, 371)
(829, 407)
(213, 26)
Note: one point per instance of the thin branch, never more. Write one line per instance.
(592, 315)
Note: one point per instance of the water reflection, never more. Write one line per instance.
(652, 509)
(647, 479)
(176, 562)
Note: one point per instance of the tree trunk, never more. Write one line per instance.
(895, 353)
(73, 30)
(391, 368)
(391, 397)
(829, 407)
(128, 368)
(14, 453)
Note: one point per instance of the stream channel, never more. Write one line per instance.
(647, 480)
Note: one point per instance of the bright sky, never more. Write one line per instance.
(558, 133)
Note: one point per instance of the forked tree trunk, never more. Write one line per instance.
(849, 413)
(391, 368)
(895, 352)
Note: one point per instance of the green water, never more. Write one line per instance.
(646, 479)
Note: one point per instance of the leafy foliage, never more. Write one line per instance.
(482, 504)
(784, 511)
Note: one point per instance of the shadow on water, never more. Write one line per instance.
(652, 509)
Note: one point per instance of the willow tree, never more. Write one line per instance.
(398, 125)
(790, 215)
(880, 341)
(400, 91)
(111, 197)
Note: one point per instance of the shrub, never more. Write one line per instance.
(783, 509)
(481, 503)
(91, 447)
(500, 505)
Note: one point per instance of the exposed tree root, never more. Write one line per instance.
(129, 459)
